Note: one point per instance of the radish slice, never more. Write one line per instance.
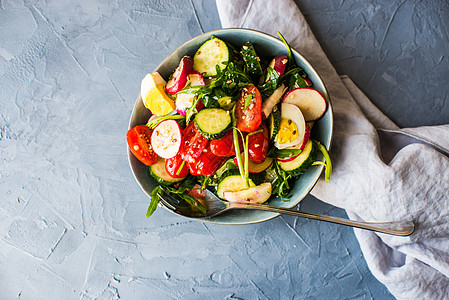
(166, 138)
(306, 137)
(253, 167)
(180, 76)
(195, 78)
(311, 103)
(185, 101)
(278, 64)
(256, 194)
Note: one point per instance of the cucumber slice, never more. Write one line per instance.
(275, 121)
(213, 123)
(212, 53)
(158, 172)
(231, 181)
(251, 59)
(253, 167)
(303, 161)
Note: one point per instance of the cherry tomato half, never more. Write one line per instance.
(225, 145)
(258, 145)
(194, 143)
(207, 164)
(249, 119)
(138, 139)
(172, 166)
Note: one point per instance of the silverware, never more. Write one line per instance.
(215, 206)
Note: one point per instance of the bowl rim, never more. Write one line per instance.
(304, 61)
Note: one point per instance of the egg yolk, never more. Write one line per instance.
(288, 131)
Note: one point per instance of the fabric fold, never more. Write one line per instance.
(381, 172)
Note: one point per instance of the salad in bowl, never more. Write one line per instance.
(251, 123)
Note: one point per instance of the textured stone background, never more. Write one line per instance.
(397, 52)
(72, 222)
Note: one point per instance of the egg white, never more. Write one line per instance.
(292, 112)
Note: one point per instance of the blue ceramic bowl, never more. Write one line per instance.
(266, 46)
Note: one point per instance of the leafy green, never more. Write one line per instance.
(327, 164)
(289, 53)
(210, 101)
(153, 123)
(248, 100)
(282, 183)
(190, 89)
(283, 153)
(194, 202)
(155, 198)
(252, 64)
(192, 109)
(295, 78)
(204, 180)
(181, 191)
(228, 81)
(258, 178)
(267, 88)
(234, 77)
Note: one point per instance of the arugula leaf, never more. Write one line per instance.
(189, 89)
(268, 87)
(295, 78)
(204, 180)
(234, 77)
(194, 202)
(155, 198)
(153, 123)
(248, 100)
(281, 184)
(180, 191)
(192, 109)
(293, 71)
(228, 81)
(210, 101)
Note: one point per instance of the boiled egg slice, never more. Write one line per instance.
(292, 127)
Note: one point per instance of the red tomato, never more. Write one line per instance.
(258, 145)
(138, 139)
(188, 133)
(172, 166)
(225, 145)
(207, 164)
(194, 143)
(249, 119)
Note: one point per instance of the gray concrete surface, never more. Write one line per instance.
(397, 52)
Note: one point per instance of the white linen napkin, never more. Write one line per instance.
(381, 172)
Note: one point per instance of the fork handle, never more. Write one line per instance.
(401, 228)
